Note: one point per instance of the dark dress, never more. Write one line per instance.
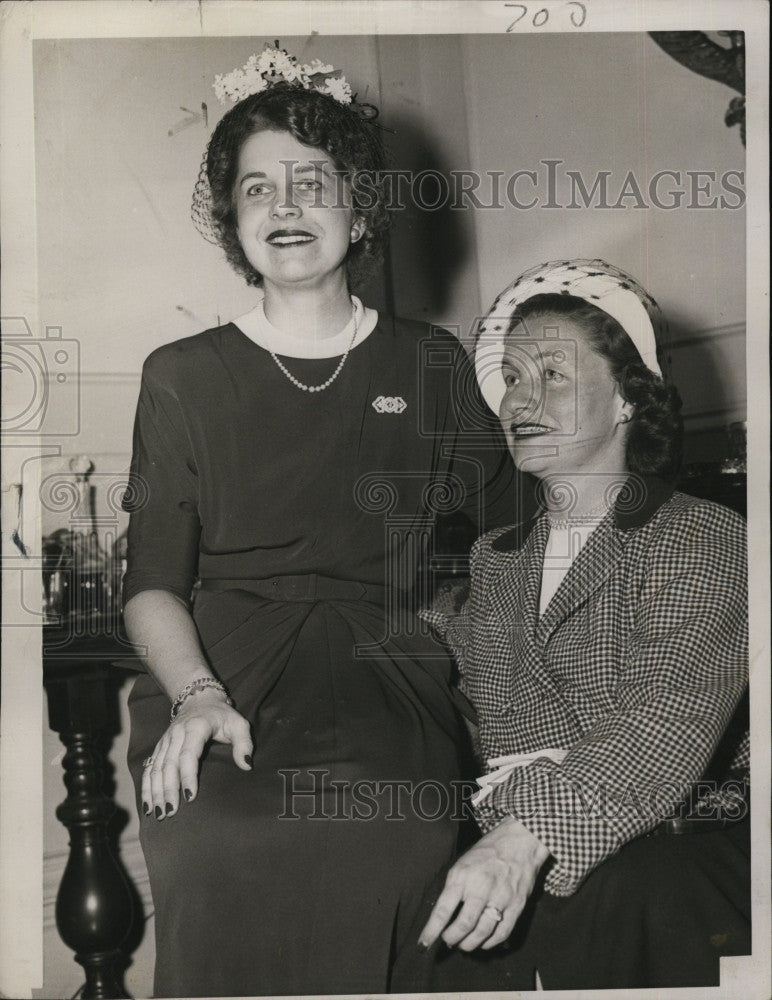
(277, 880)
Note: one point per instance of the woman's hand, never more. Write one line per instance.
(204, 716)
(494, 877)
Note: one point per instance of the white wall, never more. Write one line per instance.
(615, 103)
(618, 103)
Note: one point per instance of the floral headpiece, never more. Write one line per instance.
(275, 65)
(272, 67)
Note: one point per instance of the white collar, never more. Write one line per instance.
(257, 327)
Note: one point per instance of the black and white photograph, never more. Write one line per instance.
(385, 499)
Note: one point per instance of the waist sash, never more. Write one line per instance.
(307, 587)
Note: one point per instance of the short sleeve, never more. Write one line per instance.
(162, 498)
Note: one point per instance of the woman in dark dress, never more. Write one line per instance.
(293, 460)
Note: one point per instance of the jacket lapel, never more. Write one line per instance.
(514, 594)
(589, 571)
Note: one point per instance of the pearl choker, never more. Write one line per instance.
(592, 516)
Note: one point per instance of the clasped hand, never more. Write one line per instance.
(495, 877)
(204, 717)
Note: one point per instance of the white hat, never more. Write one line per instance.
(597, 282)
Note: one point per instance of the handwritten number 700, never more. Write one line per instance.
(577, 16)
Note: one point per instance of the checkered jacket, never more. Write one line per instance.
(635, 668)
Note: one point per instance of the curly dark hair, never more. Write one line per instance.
(316, 120)
(655, 436)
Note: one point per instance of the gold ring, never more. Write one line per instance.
(147, 762)
(495, 912)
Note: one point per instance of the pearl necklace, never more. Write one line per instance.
(324, 385)
(594, 515)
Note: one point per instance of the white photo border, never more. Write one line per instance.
(21, 23)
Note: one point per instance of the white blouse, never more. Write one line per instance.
(563, 546)
(258, 328)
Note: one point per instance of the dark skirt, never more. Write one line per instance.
(659, 914)
(306, 874)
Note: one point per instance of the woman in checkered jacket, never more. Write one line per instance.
(604, 646)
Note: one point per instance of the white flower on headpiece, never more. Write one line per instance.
(219, 88)
(283, 63)
(296, 74)
(253, 80)
(273, 66)
(274, 61)
(245, 85)
(317, 66)
(338, 88)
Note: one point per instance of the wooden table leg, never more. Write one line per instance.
(94, 904)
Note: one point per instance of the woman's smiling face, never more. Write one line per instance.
(561, 409)
(293, 211)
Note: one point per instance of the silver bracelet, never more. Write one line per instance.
(198, 685)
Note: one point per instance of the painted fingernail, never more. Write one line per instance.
(248, 759)
(423, 947)
(169, 808)
(188, 794)
(146, 808)
(159, 813)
